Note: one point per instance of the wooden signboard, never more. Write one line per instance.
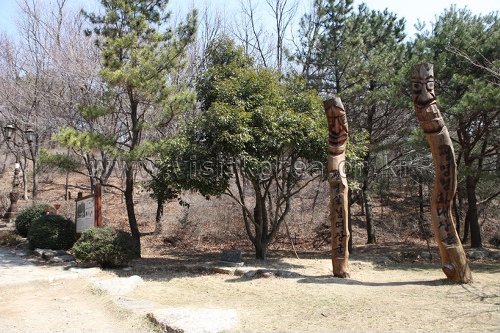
(88, 211)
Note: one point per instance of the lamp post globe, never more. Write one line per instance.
(9, 131)
(30, 135)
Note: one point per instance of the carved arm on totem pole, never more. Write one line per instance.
(337, 140)
(454, 261)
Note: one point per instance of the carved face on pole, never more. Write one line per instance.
(337, 124)
(422, 78)
(335, 114)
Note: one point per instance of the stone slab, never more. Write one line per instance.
(245, 272)
(118, 286)
(85, 272)
(222, 270)
(231, 256)
(230, 263)
(184, 320)
(134, 305)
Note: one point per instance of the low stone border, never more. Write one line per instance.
(54, 256)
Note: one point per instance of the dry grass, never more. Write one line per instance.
(406, 297)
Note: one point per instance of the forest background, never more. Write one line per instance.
(120, 99)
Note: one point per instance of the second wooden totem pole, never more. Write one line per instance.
(337, 140)
(454, 261)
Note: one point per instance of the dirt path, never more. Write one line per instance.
(34, 298)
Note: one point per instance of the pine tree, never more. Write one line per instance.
(469, 96)
(140, 59)
(358, 55)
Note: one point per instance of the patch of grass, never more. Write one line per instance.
(136, 321)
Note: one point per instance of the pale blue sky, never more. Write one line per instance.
(425, 10)
(428, 10)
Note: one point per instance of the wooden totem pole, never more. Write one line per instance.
(337, 139)
(454, 262)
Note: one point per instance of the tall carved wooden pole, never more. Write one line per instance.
(454, 262)
(337, 139)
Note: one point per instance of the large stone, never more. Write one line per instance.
(48, 254)
(229, 263)
(134, 305)
(119, 286)
(478, 254)
(183, 320)
(62, 258)
(39, 252)
(85, 272)
(230, 258)
(245, 272)
(222, 270)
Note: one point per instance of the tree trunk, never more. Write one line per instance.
(367, 203)
(129, 202)
(260, 241)
(370, 228)
(33, 147)
(453, 259)
(472, 217)
(457, 214)
(420, 199)
(465, 239)
(261, 251)
(349, 222)
(129, 167)
(159, 214)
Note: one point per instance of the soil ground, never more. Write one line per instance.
(411, 295)
(64, 306)
(38, 297)
(389, 291)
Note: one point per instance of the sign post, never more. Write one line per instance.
(88, 211)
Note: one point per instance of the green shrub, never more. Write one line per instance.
(52, 232)
(106, 247)
(27, 216)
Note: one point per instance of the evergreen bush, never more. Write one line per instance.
(53, 232)
(106, 247)
(27, 216)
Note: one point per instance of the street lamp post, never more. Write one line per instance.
(9, 132)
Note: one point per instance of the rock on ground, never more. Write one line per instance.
(134, 305)
(183, 320)
(119, 286)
